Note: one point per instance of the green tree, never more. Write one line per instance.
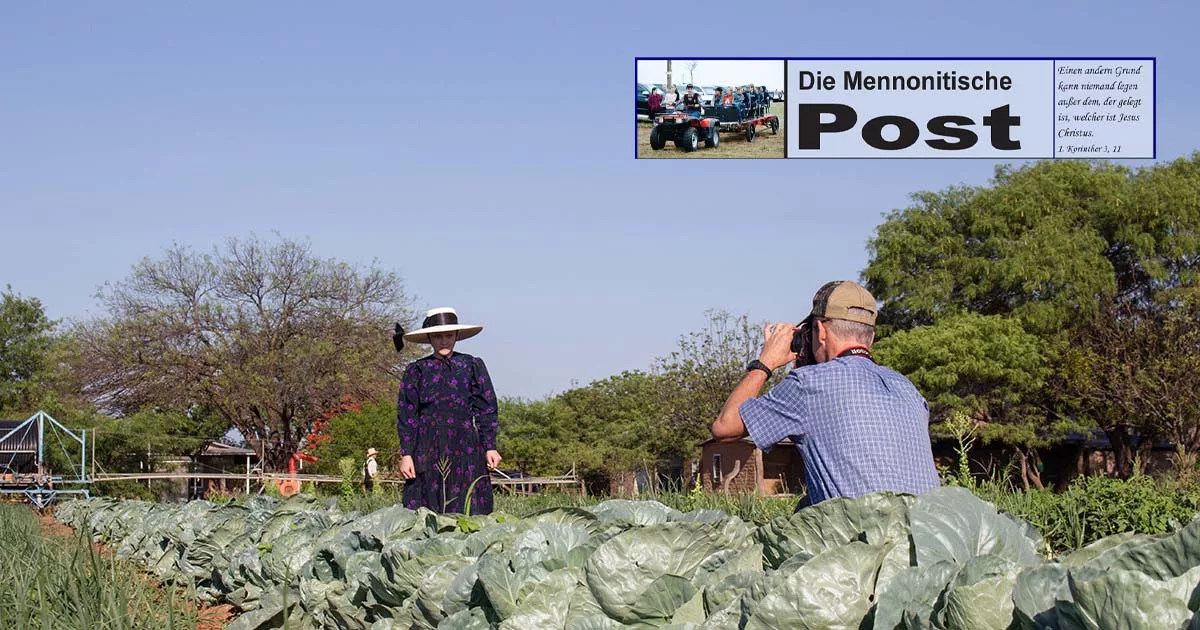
(986, 368)
(1137, 376)
(610, 426)
(139, 440)
(541, 437)
(26, 342)
(1026, 246)
(619, 423)
(348, 435)
(982, 365)
(695, 380)
(1050, 245)
(268, 335)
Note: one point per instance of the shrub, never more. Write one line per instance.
(349, 469)
(1094, 507)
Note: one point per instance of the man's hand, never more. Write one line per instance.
(407, 470)
(493, 459)
(777, 347)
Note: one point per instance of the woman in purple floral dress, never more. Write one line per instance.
(447, 421)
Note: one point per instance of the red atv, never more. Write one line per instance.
(685, 130)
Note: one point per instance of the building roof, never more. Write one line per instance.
(217, 449)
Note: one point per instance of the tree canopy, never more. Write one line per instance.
(696, 379)
(349, 432)
(635, 420)
(1136, 376)
(267, 335)
(608, 426)
(26, 340)
(986, 366)
(1060, 296)
(1020, 280)
(1047, 244)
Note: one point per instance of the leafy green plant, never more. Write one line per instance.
(963, 429)
(1092, 508)
(946, 559)
(65, 582)
(349, 470)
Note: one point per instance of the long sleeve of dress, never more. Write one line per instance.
(406, 411)
(483, 405)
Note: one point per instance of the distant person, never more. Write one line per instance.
(727, 96)
(370, 470)
(446, 418)
(655, 101)
(670, 98)
(691, 101)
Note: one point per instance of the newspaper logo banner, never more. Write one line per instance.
(998, 109)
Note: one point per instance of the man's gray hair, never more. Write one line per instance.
(852, 331)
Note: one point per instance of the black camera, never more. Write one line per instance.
(802, 343)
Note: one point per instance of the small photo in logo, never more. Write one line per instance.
(723, 108)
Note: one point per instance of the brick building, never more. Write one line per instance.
(741, 467)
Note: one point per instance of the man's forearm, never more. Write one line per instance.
(729, 425)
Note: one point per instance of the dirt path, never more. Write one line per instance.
(210, 617)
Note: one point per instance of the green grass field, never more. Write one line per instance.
(60, 581)
(766, 145)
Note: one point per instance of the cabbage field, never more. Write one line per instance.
(944, 560)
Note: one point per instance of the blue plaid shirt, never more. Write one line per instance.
(860, 427)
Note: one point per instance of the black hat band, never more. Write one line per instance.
(440, 319)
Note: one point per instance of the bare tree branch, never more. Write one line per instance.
(268, 334)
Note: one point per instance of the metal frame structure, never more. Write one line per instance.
(40, 486)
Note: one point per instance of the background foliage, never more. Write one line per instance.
(1059, 298)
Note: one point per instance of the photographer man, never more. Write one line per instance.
(861, 427)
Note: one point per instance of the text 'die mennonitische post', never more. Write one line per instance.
(971, 108)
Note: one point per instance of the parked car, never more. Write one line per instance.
(643, 100)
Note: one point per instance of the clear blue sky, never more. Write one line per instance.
(484, 152)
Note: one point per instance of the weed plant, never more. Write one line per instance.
(54, 583)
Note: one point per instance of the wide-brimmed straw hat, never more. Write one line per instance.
(372, 451)
(439, 320)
